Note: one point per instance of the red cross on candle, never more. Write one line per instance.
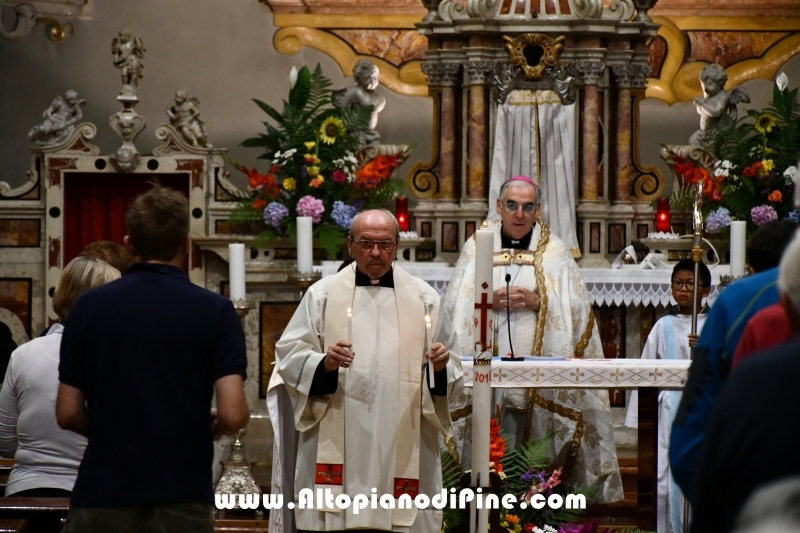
(328, 474)
(484, 306)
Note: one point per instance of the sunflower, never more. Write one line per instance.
(330, 130)
(765, 123)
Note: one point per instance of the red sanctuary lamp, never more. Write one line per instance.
(401, 212)
(663, 217)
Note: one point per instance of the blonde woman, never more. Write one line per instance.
(46, 456)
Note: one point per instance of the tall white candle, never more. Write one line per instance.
(350, 327)
(738, 236)
(482, 372)
(305, 252)
(431, 380)
(236, 270)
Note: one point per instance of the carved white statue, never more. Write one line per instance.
(366, 75)
(128, 52)
(184, 116)
(714, 104)
(59, 120)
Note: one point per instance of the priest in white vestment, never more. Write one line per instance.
(353, 360)
(670, 339)
(551, 315)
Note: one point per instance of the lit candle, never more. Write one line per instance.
(738, 235)
(401, 212)
(305, 257)
(350, 327)
(663, 216)
(431, 381)
(482, 368)
(236, 270)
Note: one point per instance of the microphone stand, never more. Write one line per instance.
(508, 321)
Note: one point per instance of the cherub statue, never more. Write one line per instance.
(714, 103)
(366, 75)
(59, 120)
(184, 115)
(128, 51)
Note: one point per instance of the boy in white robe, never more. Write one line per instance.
(671, 338)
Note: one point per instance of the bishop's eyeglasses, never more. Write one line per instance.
(526, 208)
(367, 246)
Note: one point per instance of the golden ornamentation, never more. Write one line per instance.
(422, 181)
(408, 79)
(539, 271)
(519, 257)
(584, 342)
(541, 45)
(458, 414)
(650, 182)
(534, 398)
(679, 81)
(481, 362)
(450, 443)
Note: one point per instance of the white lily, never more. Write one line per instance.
(782, 81)
(292, 77)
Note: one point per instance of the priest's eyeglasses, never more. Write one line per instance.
(526, 208)
(368, 246)
(687, 285)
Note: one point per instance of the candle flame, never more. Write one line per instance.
(427, 319)
(349, 311)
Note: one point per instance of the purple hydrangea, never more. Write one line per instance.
(793, 216)
(308, 206)
(716, 220)
(343, 214)
(274, 214)
(762, 214)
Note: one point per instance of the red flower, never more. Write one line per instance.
(776, 196)
(259, 204)
(749, 172)
(529, 527)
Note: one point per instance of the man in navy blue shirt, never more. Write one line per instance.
(140, 362)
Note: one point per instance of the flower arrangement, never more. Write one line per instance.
(753, 176)
(317, 168)
(523, 473)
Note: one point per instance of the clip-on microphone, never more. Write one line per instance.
(508, 321)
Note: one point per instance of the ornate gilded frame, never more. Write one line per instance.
(550, 50)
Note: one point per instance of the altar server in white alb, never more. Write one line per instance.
(671, 338)
(551, 315)
(353, 361)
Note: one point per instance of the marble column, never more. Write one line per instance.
(477, 140)
(590, 149)
(622, 190)
(445, 75)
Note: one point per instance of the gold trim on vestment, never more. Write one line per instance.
(584, 342)
(460, 413)
(539, 271)
(534, 398)
(519, 257)
(450, 442)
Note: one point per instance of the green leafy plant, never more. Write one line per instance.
(316, 166)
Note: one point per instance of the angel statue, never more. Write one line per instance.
(128, 52)
(59, 120)
(714, 104)
(366, 75)
(184, 115)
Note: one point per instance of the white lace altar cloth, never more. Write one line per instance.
(630, 285)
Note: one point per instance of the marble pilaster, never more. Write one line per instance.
(623, 74)
(445, 75)
(478, 72)
(591, 73)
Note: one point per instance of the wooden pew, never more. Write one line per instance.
(43, 515)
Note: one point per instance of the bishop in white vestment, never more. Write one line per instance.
(551, 315)
(353, 360)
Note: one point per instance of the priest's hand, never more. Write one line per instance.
(339, 356)
(439, 356)
(518, 298)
